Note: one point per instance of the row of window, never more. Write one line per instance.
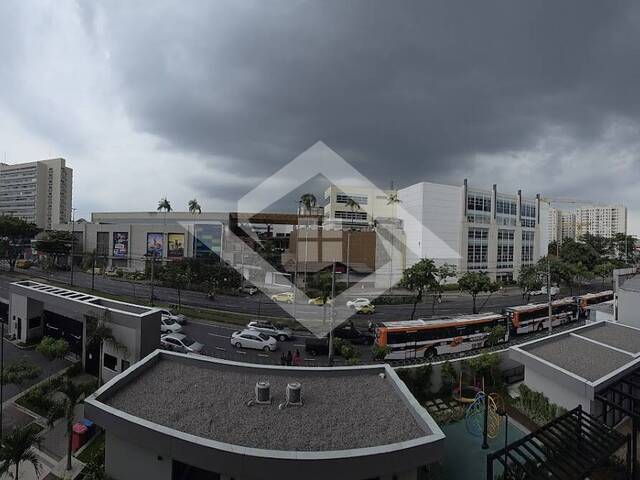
(507, 207)
(359, 199)
(351, 215)
(110, 362)
(478, 240)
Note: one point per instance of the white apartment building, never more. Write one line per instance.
(38, 192)
(370, 205)
(493, 232)
(605, 221)
(561, 225)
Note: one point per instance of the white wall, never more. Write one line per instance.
(555, 391)
(629, 307)
(127, 461)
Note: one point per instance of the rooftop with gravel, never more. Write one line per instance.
(579, 356)
(343, 409)
(615, 335)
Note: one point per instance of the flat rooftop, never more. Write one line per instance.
(591, 352)
(344, 408)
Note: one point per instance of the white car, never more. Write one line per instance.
(179, 342)
(179, 318)
(279, 332)
(358, 303)
(168, 325)
(543, 291)
(253, 339)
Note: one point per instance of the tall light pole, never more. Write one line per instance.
(73, 240)
(333, 294)
(348, 255)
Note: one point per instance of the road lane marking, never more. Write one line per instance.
(263, 355)
(309, 359)
(298, 344)
(218, 335)
(221, 349)
(241, 352)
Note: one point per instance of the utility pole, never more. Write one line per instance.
(333, 294)
(73, 240)
(93, 270)
(348, 255)
(549, 293)
(2, 322)
(153, 265)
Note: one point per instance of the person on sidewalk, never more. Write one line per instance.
(289, 358)
(283, 359)
(297, 358)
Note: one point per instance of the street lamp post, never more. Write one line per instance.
(549, 293)
(333, 294)
(73, 240)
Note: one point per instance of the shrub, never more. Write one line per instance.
(417, 380)
(39, 399)
(380, 353)
(74, 370)
(53, 348)
(449, 378)
(536, 406)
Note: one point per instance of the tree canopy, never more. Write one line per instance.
(15, 237)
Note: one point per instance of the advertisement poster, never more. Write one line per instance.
(120, 244)
(155, 244)
(175, 245)
(208, 240)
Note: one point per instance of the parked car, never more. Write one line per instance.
(319, 301)
(22, 263)
(275, 330)
(543, 291)
(169, 325)
(316, 346)
(366, 309)
(179, 342)
(248, 289)
(284, 297)
(253, 339)
(179, 318)
(358, 302)
(349, 332)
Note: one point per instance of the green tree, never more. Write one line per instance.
(352, 204)
(442, 274)
(18, 447)
(604, 271)
(623, 247)
(529, 280)
(177, 275)
(52, 348)
(573, 253)
(99, 332)
(393, 199)
(475, 283)
(15, 236)
(308, 200)
(601, 245)
(72, 396)
(55, 244)
(485, 366)
(194, 207)
(419, 278)
(164, 205)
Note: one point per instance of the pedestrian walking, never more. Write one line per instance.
(297, 358)
(283, 359)
(289, 358)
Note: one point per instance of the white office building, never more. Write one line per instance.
(38, 192)
(493, 232)
(605, 221)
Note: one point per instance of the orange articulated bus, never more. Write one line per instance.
(534, 317)
(584, 301)
(429, 338)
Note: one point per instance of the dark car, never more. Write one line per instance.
(316, 346)
(351, 333)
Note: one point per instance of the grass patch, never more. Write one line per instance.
(93, 449)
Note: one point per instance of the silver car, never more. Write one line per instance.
(280, 332)
(179, 342)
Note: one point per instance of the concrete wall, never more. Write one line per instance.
(127, 461)
(555, 390)
(628, 307)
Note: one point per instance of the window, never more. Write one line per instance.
(34, 322)
(351, 215)
(359, 199)
(124, 364)
(478, 245)
(102, 243)
(527, 246)
(505, 248)
(478, 218)
(110, 362)
(479, 202)
(528, 210)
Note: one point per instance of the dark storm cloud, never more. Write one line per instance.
(404, 90)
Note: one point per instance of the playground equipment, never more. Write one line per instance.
(484, 416)
(466, 393)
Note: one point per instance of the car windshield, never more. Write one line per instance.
(263, 337)
(188, 341)
(169, 321)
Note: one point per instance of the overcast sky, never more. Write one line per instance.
(206, 99)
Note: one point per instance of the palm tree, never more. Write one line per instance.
(393, 199)
(99, 332)
(165, 205)
(308, 200)
(17, 447)
(65, 408)
(352, 204)
(194, 207)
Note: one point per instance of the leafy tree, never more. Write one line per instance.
(94, 469)
(393, 199)
(53, 348)
(20, 371)
(322, 283)
(15, 236)
(599, 244)
(17, 447)
(496, 335)
(98, 332)
(164, 205)
(624, 247)
(529, 280)
(308, 200)
(485, 366)
(604, 270)
(475, 283)
(55, 244)
(419, 278)
(72, 395)
(194, 207)
(352, 204)
(176, 275)
(572, 253)
(443, 273)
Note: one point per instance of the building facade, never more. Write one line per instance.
(370, 204)
(494, 232)
(38, 192)
(561, 225)
(605, 221)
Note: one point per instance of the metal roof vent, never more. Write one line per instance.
(294, 393)
(263, 393)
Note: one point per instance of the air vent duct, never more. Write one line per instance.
(263, 392)
(294, 393)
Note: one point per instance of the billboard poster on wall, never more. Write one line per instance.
(155, 244)
(175, 245)
(120, 244)
(208, 240)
